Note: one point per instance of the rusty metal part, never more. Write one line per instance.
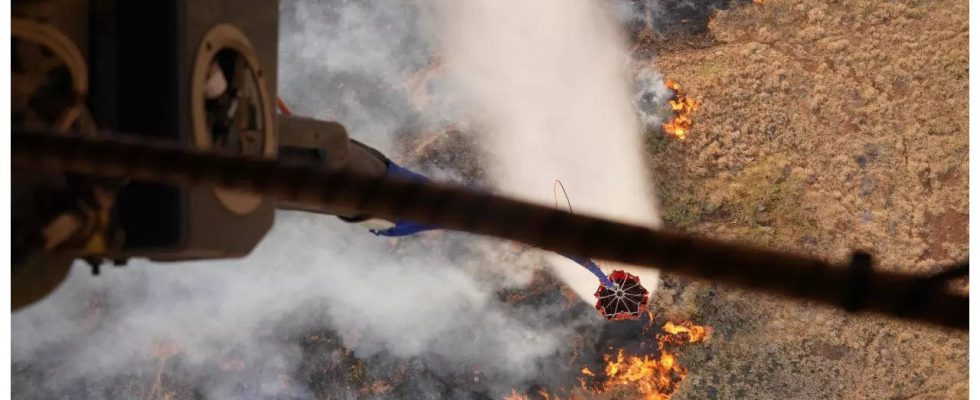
(857, 288)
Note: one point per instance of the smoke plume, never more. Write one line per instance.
(550, 78)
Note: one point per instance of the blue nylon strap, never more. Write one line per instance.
(593, 268)
(405, 228)
(402, 172)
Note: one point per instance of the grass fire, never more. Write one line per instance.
(652, 375)
(682, 106)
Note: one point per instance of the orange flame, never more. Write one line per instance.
(682, 105)
(694, 333)
(654, 379)
(515, 396)
(651, 377)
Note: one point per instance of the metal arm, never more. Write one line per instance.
(857, 287)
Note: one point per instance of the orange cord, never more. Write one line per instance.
(283, 109)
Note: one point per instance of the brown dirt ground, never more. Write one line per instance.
(824, 127)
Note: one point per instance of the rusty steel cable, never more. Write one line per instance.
(857, 287)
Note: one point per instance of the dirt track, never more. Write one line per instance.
(824, 127)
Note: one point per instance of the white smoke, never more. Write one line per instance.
(550, 78)
(350, 62)
(546, 84)
(415, 300)
(650, 94)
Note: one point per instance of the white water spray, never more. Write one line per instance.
(549, 81)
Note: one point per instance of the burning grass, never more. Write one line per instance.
(654, 375)
(683, 106)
